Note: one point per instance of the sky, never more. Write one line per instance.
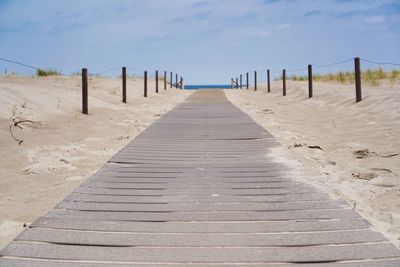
(205, 41)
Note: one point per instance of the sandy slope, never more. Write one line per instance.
(67, 146)
(368, 180)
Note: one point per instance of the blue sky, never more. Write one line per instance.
(205, 41)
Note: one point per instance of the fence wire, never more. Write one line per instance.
(134, 69)
(333, 64)
(19, 63)
(380, 63)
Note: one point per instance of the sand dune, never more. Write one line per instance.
(360, 143)
(63, 146)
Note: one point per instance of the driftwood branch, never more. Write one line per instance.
(16, 122)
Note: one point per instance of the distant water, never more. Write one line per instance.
(207, 86)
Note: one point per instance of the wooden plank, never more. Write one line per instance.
(191, 186)
(206, 216)
(198, 199)
(192, 192)
(203, 227)
(24, 262)
(200, 254)
(91, 238)
(195, 207)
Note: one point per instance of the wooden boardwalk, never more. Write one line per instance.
(199, 188)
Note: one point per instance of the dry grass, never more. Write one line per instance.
(370, 76)
(44, 73)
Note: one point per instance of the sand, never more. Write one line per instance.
(360, 143)
(64, 147)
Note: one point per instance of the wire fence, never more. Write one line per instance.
(133, 71)
(353, 73)
(159, 78)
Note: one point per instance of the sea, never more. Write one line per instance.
(207, 86)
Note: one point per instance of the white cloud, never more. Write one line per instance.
(283, 26)
(375, 20)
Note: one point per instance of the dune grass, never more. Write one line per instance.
(44, 73)
(370, 76)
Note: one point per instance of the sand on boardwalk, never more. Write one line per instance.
(66, 147)
(359, 159)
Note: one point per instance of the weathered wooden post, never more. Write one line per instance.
(240, 81)
(357, 73)
(255, 80)
(84, 91)
(268, 82)
(176, 80)
(247, 80)
(310, 82)
(170, 80)
(145, 83)
(181, 83)
(165, 80)
(123, 84)
(284, 81)
(157, 81)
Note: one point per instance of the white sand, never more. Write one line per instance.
(333, 121)
(67, 147)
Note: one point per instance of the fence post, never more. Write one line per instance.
(84, 91)
(255, 80)
(240, 81)
(284, 81)
(176, 80)
(145, 83)
(157, 81)
(165, 80)
(123, 84)
(181, 83)
(268, 82)
(170, 80)
(247, 80)
(310, 82)
(357, 73)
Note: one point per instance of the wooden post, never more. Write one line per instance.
(157, 81)
(170, 80)
(84, 91)
(237, 83)
(181, 83)
(176, 80)
(247, 80)
(310, 83)
(165, 80)
(357, 73)
(123, 84)
(284, 81)
(268, 82)
(240, 81)
(145, 83)
(255, 80)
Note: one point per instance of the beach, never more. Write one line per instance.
(350, 150)
(60, 146)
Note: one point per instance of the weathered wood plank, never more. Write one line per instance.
(201, 254)
(204, 227)
(170, 207)
(198, 199)
(198, 240)
(206, 216)
(24, 262)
